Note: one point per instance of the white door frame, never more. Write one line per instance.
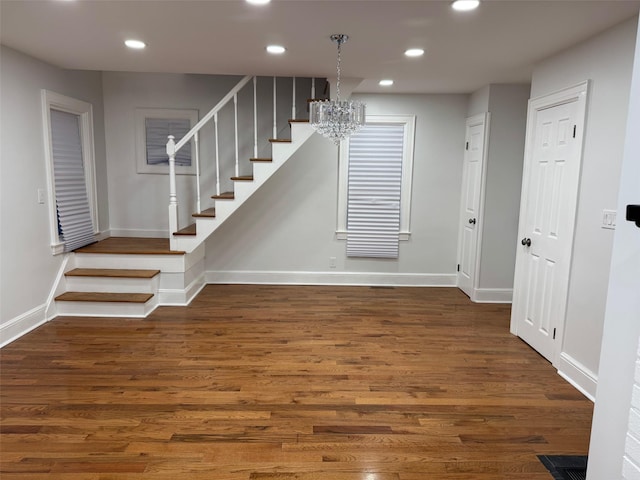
(579, 94)
(481, 118)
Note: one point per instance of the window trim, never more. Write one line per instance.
(84, 110)
(409, 122)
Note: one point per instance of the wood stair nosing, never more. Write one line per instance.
(104, 297)
(186, 231)
(112, 273)
(243, 178)
(280, 140)
(295, 120)
(224, 196)
(208, 213)
(261, 160)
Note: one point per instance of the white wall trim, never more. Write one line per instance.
(577, 375)
(181, 297)
(332, 278)
(130, 232)
(22, 324)
(492, 295)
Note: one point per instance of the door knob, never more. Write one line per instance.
(472, 221)
(526, 242)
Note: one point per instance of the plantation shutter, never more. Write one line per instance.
(374, 191)
(72, 203)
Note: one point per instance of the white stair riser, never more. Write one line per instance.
(106, 309)
(113, 284)
(166, 263)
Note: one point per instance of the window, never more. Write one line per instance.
(69, 150)
(374, 196)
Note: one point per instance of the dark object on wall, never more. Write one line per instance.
(633, 214)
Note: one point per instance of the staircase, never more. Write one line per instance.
(130, 277)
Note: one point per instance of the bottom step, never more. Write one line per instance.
(99, 304)
(104, 297)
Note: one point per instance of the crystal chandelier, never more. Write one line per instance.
(337, 119)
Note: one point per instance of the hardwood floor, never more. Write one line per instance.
(288, 383)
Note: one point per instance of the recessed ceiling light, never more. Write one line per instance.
(465, 5)
(137, 44)
(276, 49)
(414, 52)
(385, 83)
(258, 2)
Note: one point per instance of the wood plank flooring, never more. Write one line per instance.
(287, 383)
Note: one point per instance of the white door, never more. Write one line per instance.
(547, 217)
(472, 181)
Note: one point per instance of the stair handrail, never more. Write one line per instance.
(173, 148)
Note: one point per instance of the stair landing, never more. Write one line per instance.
(131, 246)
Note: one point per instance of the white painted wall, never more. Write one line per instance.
(607, 61)
(478, 101)
(286, 232)
(508, 108)
(28, 268)
(622, 317)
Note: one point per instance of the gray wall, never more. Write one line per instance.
(607, 61)
(286, 232)
(28, 268)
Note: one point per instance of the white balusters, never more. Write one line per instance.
(255, 117)
(173, 196)
(275, 124)
(196, 156)
(215, 122)
(235, 111)
(293, 99)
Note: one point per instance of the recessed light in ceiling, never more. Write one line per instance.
(258, 2)
(137, 44)
(465, 5)
(385, 83)
(414, 52)
(276, 49)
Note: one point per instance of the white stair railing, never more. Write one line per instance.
(173, 147)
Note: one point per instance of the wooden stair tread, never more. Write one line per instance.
(280, 140)
(104, 297)
(295, 120)
(208, 213)
(190, 230)
(111, 273)
(243, 178)
(261, 160)
(130, 246)
(224, 196)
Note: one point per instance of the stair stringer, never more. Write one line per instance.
(281, 152)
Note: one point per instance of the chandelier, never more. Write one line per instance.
(337, 119)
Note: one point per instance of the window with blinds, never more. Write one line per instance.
(75, 225)
(374, 190)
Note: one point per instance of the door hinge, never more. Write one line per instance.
(466, 147)
(458, 267)
(554, 333)
(574, 131)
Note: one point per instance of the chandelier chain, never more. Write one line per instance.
(338, 69)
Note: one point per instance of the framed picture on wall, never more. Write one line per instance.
(153, 126)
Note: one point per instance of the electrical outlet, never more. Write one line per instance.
(332, 262)
(609, 219)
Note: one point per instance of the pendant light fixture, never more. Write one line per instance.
(337, 119)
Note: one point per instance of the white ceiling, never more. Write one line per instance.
(497, 43)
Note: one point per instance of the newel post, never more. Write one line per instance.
(173, 196)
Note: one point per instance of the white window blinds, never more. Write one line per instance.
(72, 203)
(374, 191)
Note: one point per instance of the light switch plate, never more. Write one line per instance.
(609, 219)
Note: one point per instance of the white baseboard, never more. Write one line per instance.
(22, 324)
(181, 297)
(131, 232)
(577, 375)
(493, 295)
(333, 278)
